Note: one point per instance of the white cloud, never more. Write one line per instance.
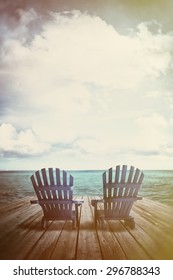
(153, 94)
(152, 134)
(27, 17)
(81, 83)
(20, 143)
(154, 120)
(86, 49)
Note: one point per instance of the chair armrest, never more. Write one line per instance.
(34, 201)
(77, 202)
(120, 199)
(94, 202)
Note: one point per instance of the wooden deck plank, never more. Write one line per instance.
(155, 219)
(11, 206)
(158, 244)
(131, 248)
(22, 221)
(145, 240)
(65, 248)
(21, 235)
(161, 223)
(58, 242)
(110, 247)
(125, 243)
(157, 213)
(14, 245)
(25, 242)
(88, 245)
(43, 248)
(17, 220)
(20, 232)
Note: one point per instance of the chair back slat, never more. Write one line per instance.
(64, 178)
(58, 177)
(141, 178)
(123, 178)
(104, 184)
(126, 185)
(45, 177)
(110, 176)
(123, 173)
(135, 180)
(131, 174)
(51, 185)
(52, 182)
(51, 176)
(65, 184)
(40, 182)
(38, 177)
(110, 181)
(117, 173)
(46, 181)
(58, 182)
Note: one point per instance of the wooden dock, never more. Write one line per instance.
(21, 236)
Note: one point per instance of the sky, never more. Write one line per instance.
(86, 84)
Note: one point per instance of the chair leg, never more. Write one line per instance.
(44, 223)
(74, 223)
(95, 215)
(130, 222)
(95, 220)
(77, 216)
(102, 223)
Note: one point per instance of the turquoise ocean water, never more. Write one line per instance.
(157, 184)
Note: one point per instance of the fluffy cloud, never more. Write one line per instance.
(152, 135)
(76, 80)
(20, 143)
(85, 49)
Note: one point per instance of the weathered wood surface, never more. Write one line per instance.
(21, 236)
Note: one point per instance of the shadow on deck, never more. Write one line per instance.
(21, 236)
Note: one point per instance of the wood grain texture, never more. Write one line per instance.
(21, 236)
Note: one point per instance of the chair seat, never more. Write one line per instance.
(101, 215)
